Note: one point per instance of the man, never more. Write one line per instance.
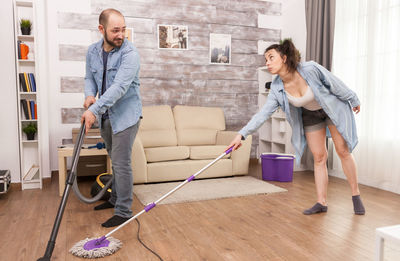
(112, 71)
(182, 40)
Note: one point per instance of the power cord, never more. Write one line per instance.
(141, 242)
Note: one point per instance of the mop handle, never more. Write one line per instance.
(152, 205)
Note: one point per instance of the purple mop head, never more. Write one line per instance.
(96, 247)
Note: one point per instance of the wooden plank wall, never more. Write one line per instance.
(184, 77)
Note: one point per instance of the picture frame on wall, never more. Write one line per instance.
(220, 49)
(172, 37)
(129, 34)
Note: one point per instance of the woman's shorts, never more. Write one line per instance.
(315, 120)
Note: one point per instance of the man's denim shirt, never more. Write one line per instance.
(335, 98)
(122, 98)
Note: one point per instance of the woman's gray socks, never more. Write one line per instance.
(317, 208)
(358, 205)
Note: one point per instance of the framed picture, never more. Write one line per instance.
(172, 37)
(220, 48)
(129, 34)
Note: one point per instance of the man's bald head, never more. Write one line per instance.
(112, 27)
(105, 14)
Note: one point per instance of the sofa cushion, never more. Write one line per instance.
(183, 169)
(207, 152)
(198, 125)
(157, 128)
(196, 137)
(166, 153)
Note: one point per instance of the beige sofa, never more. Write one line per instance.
(173, 144)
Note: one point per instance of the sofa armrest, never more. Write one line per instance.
(240, 157)
(139, 162)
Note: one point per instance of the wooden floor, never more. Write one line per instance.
(261, 227)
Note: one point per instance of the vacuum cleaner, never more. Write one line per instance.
(105, 245)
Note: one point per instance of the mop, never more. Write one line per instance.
(106, 245)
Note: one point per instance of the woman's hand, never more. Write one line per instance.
(356, 109)
(236, 142)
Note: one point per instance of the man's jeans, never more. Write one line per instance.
(119, 148)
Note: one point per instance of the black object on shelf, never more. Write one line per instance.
(25, 31)
(30, 136)
(5, 180)
(267, 86)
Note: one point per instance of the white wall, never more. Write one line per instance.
(292, 22)
(58, 100)
(9, 150)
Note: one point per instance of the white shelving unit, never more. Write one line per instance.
(275, 133)
(30, 156)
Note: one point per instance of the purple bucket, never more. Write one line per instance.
(277, 167)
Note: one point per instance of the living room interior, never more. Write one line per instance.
(203, 76)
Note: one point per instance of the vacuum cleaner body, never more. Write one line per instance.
(99, 184)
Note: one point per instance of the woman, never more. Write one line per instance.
(312, 99)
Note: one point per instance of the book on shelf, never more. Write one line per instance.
(27, 82)
(19, 49)
(24, 104)
(22, 83)
(33, 81)
(30, 109)
(31, 173)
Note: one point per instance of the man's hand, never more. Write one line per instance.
(236, 142)
(89, 101)
(356, 109)
(89, 119)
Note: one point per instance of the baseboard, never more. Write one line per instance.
(254, 160)
(46, 181)
(54, 173)
(18, 186)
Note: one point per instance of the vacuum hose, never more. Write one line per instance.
(73, 180)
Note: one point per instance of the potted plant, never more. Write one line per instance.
(25, 26)
(30, 131)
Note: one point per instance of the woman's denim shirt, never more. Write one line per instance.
(335, 98)
(122, 98)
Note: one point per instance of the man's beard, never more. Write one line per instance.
(111, 42)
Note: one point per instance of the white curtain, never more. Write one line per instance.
(366, 56)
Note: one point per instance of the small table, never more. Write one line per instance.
(67, 151)
(382, 234)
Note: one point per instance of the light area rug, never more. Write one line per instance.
(204, 189)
